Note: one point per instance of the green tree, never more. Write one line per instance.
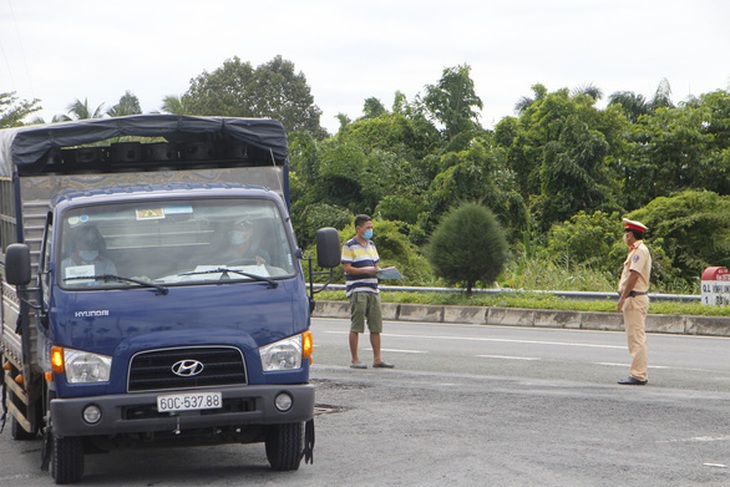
(478, 174)
(13, 111)
(304, 157)
(81, 110)
(400, 208)
(372, 158)
(174, 104)
(373, 108)
(560, 150)
(348, 176)
(453, 101)
(716, 127)
(693, 228)
(393, 132)
(589, 90)
(271, 90)
(128, 105)
(526, 102)
(667, 152)
(587, 239)
(468, 246)
(573, 173)
(317, 215)
(635, 105)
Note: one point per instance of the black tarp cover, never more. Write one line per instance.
(28, 145)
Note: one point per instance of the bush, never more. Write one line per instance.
(468, 246)
(320, 215)
(694, 228)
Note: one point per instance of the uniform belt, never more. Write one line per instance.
(636, 293)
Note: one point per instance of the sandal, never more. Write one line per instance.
(383, 365)
(358, 365)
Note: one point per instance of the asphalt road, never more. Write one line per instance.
(473, 405)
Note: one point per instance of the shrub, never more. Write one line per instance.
(468, 246)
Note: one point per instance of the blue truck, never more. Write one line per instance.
(153, 291)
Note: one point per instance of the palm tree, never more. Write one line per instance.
(453, 101)
(590, 91)
(662, 96)
(173, 104)
(81, 110)
(636, 105)
(128, 105)
(525, 102)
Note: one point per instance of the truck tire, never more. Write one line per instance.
(284, 446)
(67, 463)
(18, 433)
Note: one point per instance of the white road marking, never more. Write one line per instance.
(496, 340)
(697, 439)
(509, 357)
(654, 367)
(611, 364)
(396, 350)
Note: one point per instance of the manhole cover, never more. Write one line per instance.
(320, 409)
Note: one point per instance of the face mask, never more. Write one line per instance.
(368, 234)
(237, 238)
(88, 255)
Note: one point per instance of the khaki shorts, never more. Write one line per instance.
(363, 306)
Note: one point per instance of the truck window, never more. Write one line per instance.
(173, 242)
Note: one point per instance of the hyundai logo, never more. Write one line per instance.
(187, 368)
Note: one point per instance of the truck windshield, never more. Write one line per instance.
(156, 244)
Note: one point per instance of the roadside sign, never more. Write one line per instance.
(716, 286)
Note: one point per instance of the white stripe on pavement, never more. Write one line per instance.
(496, 340)
(508, 357)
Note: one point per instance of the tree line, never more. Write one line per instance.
(558, 176)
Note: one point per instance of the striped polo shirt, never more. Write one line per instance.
(360, 256)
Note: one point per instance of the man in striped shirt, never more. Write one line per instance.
(360, 261)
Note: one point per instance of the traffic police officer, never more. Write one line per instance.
(633, 300)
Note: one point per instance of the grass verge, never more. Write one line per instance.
(531, 300)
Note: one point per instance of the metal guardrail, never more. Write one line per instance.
(575, 295)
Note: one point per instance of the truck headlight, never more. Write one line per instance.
(285, 354)
(83, 367)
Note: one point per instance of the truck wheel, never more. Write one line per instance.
(67, 464)
(18, 433)
(284, 446)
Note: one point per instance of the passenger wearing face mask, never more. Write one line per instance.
(87, 256)
(360, 261)
(244, 247)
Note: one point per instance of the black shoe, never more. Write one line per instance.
(632, 381)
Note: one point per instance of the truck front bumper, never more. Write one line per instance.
(137, 412)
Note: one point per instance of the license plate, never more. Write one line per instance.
(189, 401)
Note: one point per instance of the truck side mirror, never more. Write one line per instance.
(17, 264)
(328, 248)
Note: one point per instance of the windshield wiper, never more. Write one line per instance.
(113, 277)
(225, 270)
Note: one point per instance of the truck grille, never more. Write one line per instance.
(153, 370)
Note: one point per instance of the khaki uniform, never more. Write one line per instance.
(637, 307)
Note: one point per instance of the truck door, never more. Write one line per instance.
(45, 279)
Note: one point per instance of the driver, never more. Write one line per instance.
(244, 246)
(86, 258)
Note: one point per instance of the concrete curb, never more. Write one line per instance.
(578, 320)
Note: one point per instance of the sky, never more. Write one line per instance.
(60, 51)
